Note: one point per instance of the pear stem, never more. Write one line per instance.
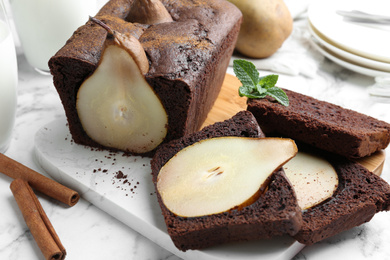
(105, 26)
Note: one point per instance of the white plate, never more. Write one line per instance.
(93, 173)
(367, 40)
(339, 60)
(348, 56)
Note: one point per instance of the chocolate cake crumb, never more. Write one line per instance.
(120, 175)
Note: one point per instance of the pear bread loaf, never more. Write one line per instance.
(359, 196)
(187, 56)
(275, 212)
(322, 125)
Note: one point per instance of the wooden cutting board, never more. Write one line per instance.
(229, 103)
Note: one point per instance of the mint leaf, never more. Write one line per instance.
(246, 72)
(261, 90)
(268, 81)
(279, 95)
(246, 91)
(254, 86)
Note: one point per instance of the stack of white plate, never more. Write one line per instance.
(361, 47)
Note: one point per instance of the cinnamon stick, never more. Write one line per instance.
(37, 221)
(38, 181)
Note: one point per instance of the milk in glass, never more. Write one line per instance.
(8, 84)
(43, 26)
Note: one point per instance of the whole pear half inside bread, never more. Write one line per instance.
(116, 106)
(219, 174)
(266, 25)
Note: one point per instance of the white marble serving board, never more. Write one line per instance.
(122, 186)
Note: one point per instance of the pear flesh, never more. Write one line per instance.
(314, 179)
(219, 174)
(117, 107)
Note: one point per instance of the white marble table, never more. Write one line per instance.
(89, 233)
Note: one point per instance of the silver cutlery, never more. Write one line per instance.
(359, 16)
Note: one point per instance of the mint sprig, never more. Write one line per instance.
(254, 86)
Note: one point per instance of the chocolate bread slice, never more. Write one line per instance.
(275, 213)
(359, 196)
(322, 124)
(187, 57)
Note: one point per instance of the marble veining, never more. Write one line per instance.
(89, 233)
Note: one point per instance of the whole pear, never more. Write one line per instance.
(266, 25)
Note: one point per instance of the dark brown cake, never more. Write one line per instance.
(322, 124)
(188, 59)
(359, 196)
(275, 213)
